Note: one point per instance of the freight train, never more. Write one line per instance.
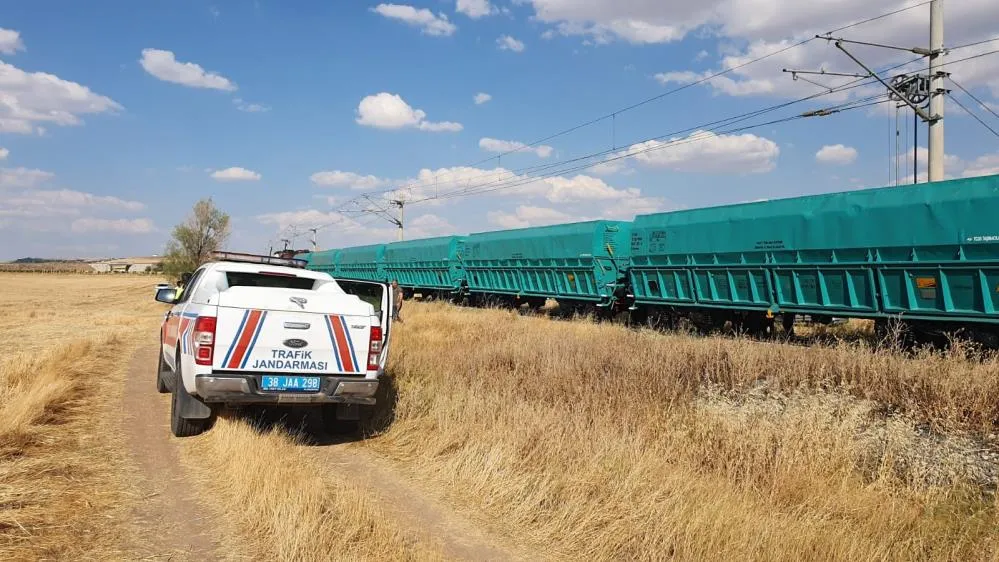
(921, 257)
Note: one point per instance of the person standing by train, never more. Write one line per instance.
(396, 301)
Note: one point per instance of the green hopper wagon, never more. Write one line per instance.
(580, 262)
(430, 265)
(362, 263)
(928, 252)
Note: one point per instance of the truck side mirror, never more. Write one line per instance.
(168, 296)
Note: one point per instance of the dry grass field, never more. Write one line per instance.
(66, 341)
(47, 267)
(66, 483)
(573, 440)
(605, 443)
(279, 503)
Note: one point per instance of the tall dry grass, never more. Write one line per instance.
(606, 443)
(66, 341)
(277, 501)
(582, 440)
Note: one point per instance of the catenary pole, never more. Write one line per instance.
(935, 167)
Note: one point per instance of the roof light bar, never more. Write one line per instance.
(254, 258)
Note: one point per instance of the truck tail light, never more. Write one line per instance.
(374, 348)
(204, 340)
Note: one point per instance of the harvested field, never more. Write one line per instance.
(607, 443)
(63, 470)
(502, 436)
(47, 267)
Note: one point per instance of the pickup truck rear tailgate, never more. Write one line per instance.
(266, 335)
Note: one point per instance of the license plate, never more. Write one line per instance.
(300, 384)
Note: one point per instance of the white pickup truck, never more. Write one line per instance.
(263, 330)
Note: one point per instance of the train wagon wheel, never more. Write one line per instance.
(787, 323)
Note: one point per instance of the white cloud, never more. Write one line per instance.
(708, 152)
(503, 182)
(310, 217)
(427, 225)
(626, 209)
(338, 178)
(125, 226)
(440, 126)
(475, 9)
(430, 24)
(23, 177)
(952, 163)
(481, 98)
(609, 167)
(618, 24)
(163, 65)
(4, 153)
(29, 209)
(507, 43)
(836, 154)
(69, 199)
(235, 173)
(504, 146)
(560, 189)
(250, 107)
(539, 201)
(954, 166)
(342, 230)
(528, 215)
(721, 83)
(984, 165)
(38, 97)
(390, 111)
(10, 41)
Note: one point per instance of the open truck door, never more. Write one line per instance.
(378, 295)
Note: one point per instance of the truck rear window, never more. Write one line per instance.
(242, 279)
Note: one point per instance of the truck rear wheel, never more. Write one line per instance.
(179, 425)
(161, 385)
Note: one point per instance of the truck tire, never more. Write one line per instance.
(179, 425)
(161, 385)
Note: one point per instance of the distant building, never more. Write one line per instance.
(127, 265)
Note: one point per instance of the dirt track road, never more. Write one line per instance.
(172, 524)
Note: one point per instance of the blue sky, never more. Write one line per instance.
(115, 117)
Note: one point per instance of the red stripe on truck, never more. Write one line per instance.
(342, 345)
(243, 339)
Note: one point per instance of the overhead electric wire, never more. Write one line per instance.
(972, 96)
(855, 104)
(836, 90)
(709, 126)
(484, 188)
(705, 79)
(846, 86)
(979, 55)
(977, 118)
(966, 45)
(679, 142)
(613, 114)
(410, 187)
